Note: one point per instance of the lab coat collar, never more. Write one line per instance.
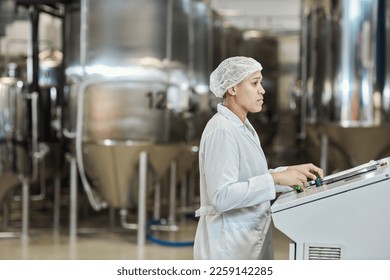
(223, 110)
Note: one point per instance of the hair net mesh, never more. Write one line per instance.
(231, 72)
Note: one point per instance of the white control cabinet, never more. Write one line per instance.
(347, 216)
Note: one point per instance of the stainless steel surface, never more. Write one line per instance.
(343, 49)
(347, 146)
(131, 87)
(127, 110)
(14, 158)
(142, 199)
(100, 47)
(342, 61)
(200, 46)
(112, 168)
(13, 109)
(154, 114)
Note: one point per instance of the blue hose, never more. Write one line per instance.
(156, 240)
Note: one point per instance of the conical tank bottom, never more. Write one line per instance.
(161, 156)
(350, 146)
(112, 170)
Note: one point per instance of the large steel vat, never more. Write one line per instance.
(343, 49)
(129, 84)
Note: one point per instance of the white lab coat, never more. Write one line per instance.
(235, 188)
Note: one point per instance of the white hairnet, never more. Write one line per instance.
(231, 72)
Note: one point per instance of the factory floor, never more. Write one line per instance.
(105, 244)
(99, 238)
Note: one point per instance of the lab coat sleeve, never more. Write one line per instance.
(280, 188)
(278, 169)
(221, 168)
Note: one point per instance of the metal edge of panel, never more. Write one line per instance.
(293, 199)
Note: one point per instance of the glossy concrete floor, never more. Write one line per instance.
(98, 237)
(96, 240)
(104, 244)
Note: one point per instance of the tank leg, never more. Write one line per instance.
(25, 208)
(172, 195)
(141, 234)
(57, 198)
(73, 198)
(157, 201)
(183, 195)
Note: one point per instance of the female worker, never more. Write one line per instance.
(236, 186)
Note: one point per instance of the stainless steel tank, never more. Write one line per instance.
(128, 84)
(346, 110)
(14, 158)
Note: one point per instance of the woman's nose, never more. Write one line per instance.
(261, 90)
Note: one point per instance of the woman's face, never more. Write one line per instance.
(250, 93)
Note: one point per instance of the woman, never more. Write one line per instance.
(236, 186)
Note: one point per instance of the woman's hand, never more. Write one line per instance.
(309, 170)
(297, 175)
(289, 178)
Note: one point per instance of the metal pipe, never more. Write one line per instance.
(141, 234)
(38, 151)
(172, 194)
(34, 134)
(51, 10)
(73, 197)
(183, 193)
(57, 196)
(157, 201)
(25, 207)
(132, 226)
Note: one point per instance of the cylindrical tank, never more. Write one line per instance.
(344, 100)
(128, 83)
(127, 52)
(13, 123)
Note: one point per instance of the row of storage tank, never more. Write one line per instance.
(132, 77)
(124, 82)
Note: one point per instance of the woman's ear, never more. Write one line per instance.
(232, 91)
